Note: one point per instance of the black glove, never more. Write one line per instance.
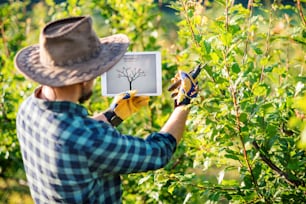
(185, 88)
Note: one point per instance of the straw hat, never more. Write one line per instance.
(70, 52)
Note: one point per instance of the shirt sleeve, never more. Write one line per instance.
(111, 152)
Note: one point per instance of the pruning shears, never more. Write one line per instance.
(193, 73)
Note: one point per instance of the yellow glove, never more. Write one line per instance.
(124, 105)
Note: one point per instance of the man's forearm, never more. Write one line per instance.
(176, 123)
(100, 117)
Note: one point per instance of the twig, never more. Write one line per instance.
(226, 15)
(298, 3)
(245, 55)
(286, 176)
(6, 50)
(190, 25)
(267, 46)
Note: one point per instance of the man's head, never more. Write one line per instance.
(69, 52)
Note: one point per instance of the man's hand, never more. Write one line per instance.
(185, 90)
(124, 105)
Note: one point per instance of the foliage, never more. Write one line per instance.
(254, 72)
(246, 131)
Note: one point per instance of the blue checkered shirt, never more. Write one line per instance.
(71, 158)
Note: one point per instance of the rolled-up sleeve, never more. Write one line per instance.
(112, 152)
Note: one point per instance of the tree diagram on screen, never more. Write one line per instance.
(131, 74)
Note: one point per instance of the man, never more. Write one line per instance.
(68, 156)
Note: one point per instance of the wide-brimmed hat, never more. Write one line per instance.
(70, 52)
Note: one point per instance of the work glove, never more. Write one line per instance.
(124, 105)
(185, 88)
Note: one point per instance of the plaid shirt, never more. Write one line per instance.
(71, 158)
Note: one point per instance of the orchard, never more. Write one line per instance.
(245, 138)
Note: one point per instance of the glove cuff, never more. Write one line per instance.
(186, 101)
(112, 118)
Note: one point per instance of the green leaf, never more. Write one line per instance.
(243, 117)
(259, 89)
(268, 69)
(257, 170)
(264, 61)
(222, 2)
(198, 38)
(247, 182)
(144, 179)
(172, 187)
(302, 142)
(293, 164)
(257, 50)
(190, 13)
(207, 46)
(214, 57)
(214, 196)
(236, 68)
(226, 38)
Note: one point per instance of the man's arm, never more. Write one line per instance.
(175, 125)
(100, 117)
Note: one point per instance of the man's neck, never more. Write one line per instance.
(67, 93)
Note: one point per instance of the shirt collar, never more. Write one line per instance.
(59, 106)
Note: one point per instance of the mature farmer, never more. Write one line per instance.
(70, 157)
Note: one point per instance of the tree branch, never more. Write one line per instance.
(286, 176)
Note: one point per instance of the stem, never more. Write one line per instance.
(190, 25)
(233, 91)
(267, 46)
(267, 49)
(298, 3)
(6, 50)
(245, 55)
(245, 154)
(226, 15)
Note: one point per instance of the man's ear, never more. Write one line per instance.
(87, 83)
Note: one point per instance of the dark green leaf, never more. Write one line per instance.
(235, 68)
